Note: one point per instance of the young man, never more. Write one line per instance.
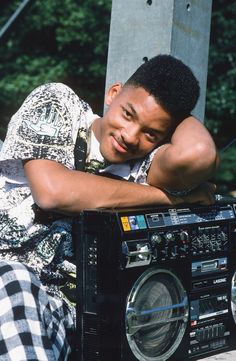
(54, 143)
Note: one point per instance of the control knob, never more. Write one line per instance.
(156, 239)
(223, 236)
(170, 237)
(184, 236)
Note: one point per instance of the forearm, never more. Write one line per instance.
(59, 189)
(99, 192)
(91, 191)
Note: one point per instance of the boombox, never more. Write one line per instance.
(156, 284)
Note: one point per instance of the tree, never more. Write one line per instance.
(55, 40)
(221, 95)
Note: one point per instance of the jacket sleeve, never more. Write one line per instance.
(43, 126)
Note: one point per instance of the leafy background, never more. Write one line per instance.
(66, 40)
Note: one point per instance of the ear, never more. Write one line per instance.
(112, 93)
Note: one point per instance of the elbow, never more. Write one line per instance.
(205, 160)
(208, 159)
(47, 200)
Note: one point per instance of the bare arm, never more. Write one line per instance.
(56, 188)
(190, 159)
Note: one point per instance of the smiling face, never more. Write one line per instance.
(133, 125)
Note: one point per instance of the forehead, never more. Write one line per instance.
(144, 107)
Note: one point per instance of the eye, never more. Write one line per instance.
(127, 113)
(151, 136)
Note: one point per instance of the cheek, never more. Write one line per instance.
(109, 124)
(146, 146)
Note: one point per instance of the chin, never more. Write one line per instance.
(119, 158)
(111, 157)
(115, 160)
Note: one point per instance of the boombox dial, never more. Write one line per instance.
(171, 244)
(170, 237)
(156, 239)
(184, 236)
(166, 238)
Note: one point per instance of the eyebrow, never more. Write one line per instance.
(157, 131)
(132, 109)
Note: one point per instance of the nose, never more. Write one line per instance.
(130, 136)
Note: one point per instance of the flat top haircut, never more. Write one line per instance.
(170, 82)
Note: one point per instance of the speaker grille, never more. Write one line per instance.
(156, 315)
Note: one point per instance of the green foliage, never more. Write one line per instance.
(53, 40)
(225, 177)
(221, 95)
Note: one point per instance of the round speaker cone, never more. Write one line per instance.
(156, 315)
(233, 296)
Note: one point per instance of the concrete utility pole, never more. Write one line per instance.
(141, 29)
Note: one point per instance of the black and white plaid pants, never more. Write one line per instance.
(33, 325)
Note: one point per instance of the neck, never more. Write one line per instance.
(96, 128)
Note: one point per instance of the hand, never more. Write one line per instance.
(204, 194)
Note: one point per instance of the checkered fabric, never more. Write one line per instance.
(33, 325)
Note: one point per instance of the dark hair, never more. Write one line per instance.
(170, 82)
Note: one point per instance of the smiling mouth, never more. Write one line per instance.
(119, 146)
